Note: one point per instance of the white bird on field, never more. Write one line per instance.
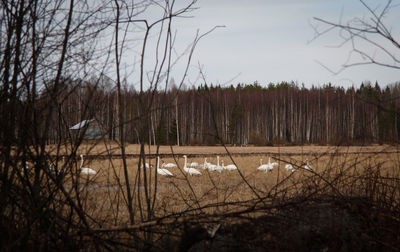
(219, 168)
(208, 165)
(191, 171)
(194, 164)
(307, 166)
(230, 167)
(162, 171)
(290, 167)
(274, 164)
(265, 167)
(262, 167)
(216, 167)
(168, 165)
(86, 170)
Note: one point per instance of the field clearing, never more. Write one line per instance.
(348, 191)
(337, 170)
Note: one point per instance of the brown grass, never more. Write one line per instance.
(346, 189)
(341, 171)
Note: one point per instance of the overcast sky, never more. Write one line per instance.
(272, 41)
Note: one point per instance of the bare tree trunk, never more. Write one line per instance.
(121, 117)
(352, 114)
(177, 121)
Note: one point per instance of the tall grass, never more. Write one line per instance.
(345, 202)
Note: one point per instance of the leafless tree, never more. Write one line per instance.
(370, 37)
(50, 51)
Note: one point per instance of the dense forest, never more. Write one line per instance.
(283, 113)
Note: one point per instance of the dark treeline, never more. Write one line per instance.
(246, 114)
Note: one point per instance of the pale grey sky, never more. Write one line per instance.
(269, 41)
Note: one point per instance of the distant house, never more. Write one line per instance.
(90, 128)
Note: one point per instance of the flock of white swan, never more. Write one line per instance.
(193, 167)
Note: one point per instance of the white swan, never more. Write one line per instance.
(194, 164)
(191, 171)
(262, 166)
(85, 170)
(307, 166)
(274, 164)
(167, 165)
(208, 165)
(265, 167)
(230, 167)
(161, 171)
(218, 168)
(290, 167)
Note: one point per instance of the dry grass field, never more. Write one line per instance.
(349, 198)
(335, 170)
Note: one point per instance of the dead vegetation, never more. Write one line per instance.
(347, 201)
